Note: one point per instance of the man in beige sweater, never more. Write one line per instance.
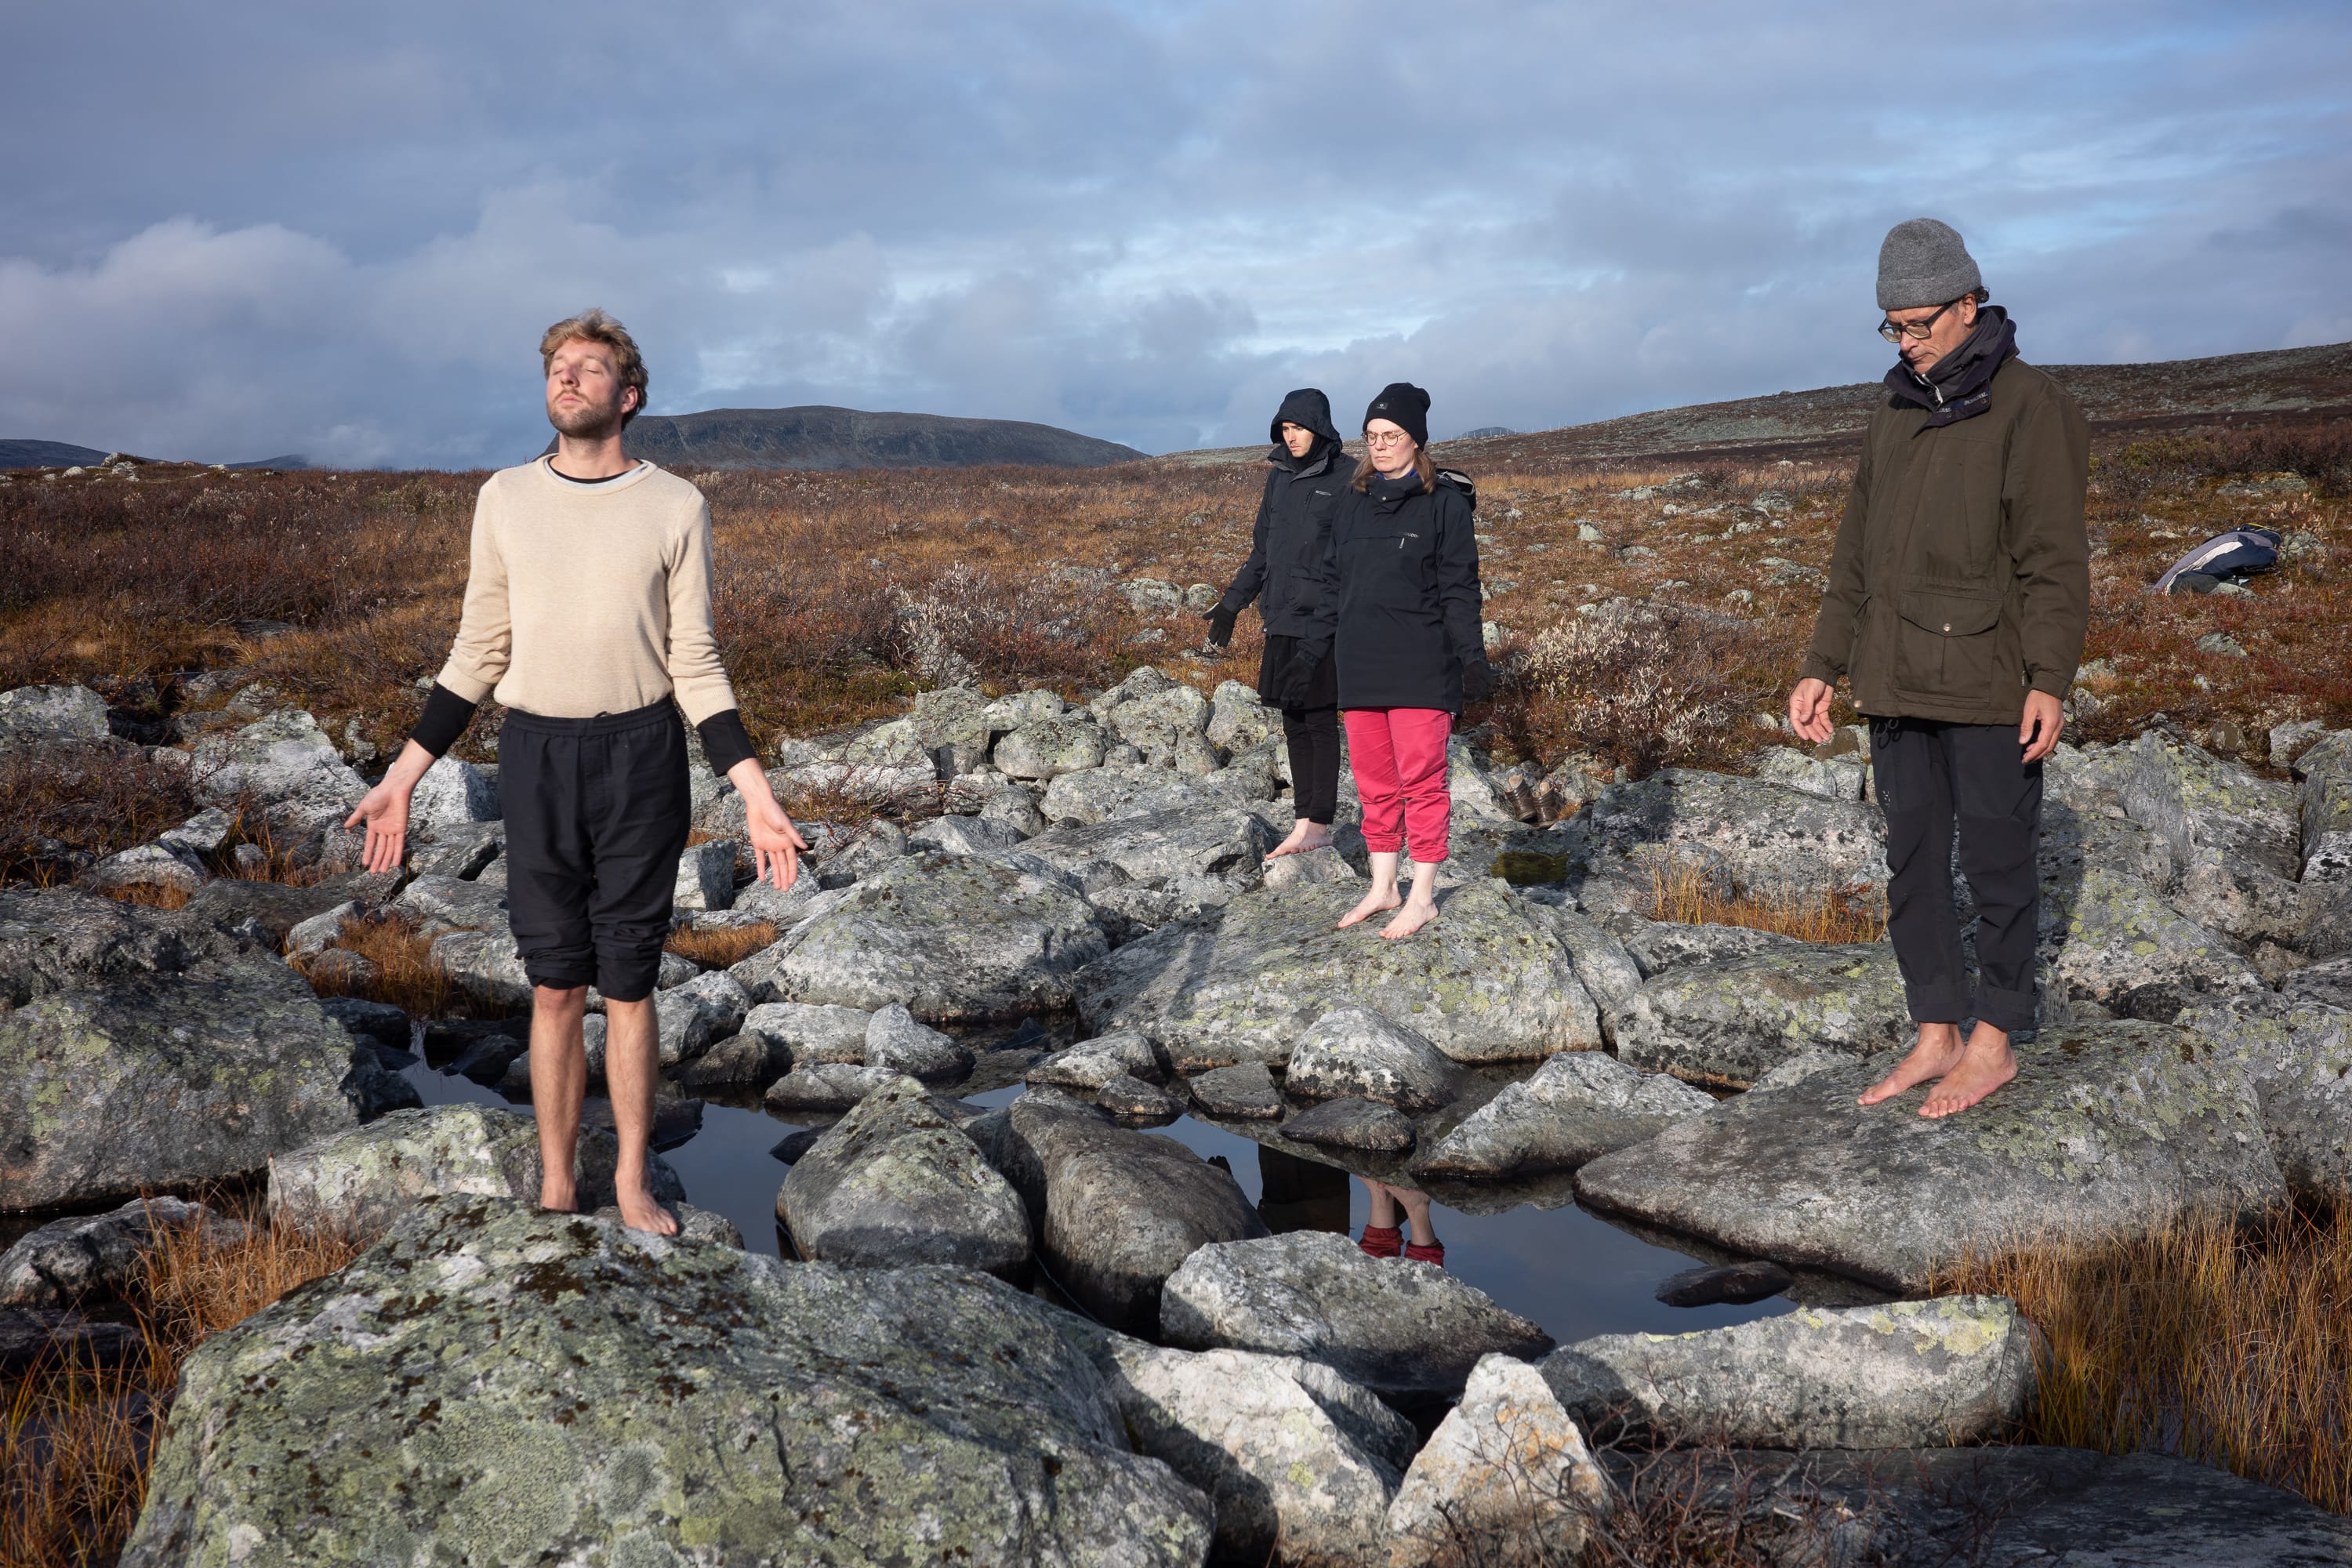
(587, 615)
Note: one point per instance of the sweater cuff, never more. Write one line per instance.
(724, 739)
(447, 715)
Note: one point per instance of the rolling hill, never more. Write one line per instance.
(830, 439)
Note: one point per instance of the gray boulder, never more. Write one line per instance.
(1958, 1369)
(1135, 1102)
(1014, 810)
(2107, 934)
(59, 939)
(947, 936)
(1090, 1064)
(1238, 720)
(1833, 778)
(360, 1182)
(827, 1087)
(1356, 1051)
(486, 965)
(1314, 866)
(1098, 795)
(452, 794)
(1245, 1092)
(743, 1060)
(286, 761)
(951, 723)
(30, 715)
(963, 836)
(2327, 984)
(1758, 837)
(82, 1256)
(2109, 1128)
(1400, 1328)
(705, 876)
(321, 931)
(1730, 1022)
(894, 1183)
(2204, 809)
(1656, 946)
(168, 1079)
(149, 866)
(1016, 709)
(1577, 1107)
(1115, 1211)
(896, 1042)
(1352, 1123)
(1048, 749)
(2296, 1054)
(443, 904)
(458, 851)
(497, 1385)
(695, 1015)
(1225, 843)
(1505, 1477)
(809, 1033)
(1291, 1453)
(1488, 981)
(1609, 972)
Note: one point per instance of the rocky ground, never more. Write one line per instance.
(490, 1379)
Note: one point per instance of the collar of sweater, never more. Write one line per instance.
(617, 483)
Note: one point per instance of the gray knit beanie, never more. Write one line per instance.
(1923, 263)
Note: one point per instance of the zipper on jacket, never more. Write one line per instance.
(1403, 537)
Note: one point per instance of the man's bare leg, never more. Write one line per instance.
(1938, 1053)
(1304, 835)
(1984, 1065)
(631, 1062)
(1420, 908)
(559, 1077)
(1383, 895)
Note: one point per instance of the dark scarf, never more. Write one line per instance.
(1959, 386)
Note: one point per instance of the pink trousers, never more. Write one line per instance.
(1398, 755)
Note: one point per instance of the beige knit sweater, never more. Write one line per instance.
(588, 599)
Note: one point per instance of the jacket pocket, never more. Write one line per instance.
(1944, 644)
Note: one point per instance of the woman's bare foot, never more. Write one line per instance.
(1304, 836)
(1985, 1066)
(1380, 900)
(640, 1212)
(1416, 913)
(1938, 1053)
(560, 1196)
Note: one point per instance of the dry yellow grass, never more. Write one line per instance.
(406, 977)
(1681, 893)
(719, 948)
(75, 1439)
(2226, 1345)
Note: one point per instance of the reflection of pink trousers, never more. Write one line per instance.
(1398, 755)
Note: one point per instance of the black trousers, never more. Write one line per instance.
(1312, 735)
(1933, 780)
(597, 815)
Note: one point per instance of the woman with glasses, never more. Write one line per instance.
(1290, 547)
(1406, 647)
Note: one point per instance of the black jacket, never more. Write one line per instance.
(1290, 544)
(1406, 565)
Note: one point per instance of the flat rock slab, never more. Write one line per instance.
(494, 1384)
(360, 1182)
(1735, 1284)
(1352, 1123)
(2297, 1055)
(1728, 1022)
(1761, 837)
(1223, 841)
(1490, 980)
(2107, 934)
(894, 1184)
(1400, 1328)
(2108, 1128)
(1958, 1369)
(172, 1079)
(1116, 1211)
(1243, 1092)
(947, 936)
(1577, 1107)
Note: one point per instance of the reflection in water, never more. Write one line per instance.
(1300, 1194)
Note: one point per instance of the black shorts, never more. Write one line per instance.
(597, 813)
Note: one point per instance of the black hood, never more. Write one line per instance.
(1309, 409)
(1956, 387)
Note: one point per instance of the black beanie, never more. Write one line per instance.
(1405, 405)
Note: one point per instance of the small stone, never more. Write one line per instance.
(1131, 1099)
(897, 1042)
(1735, 1284)
(320, 930)
(1505, 1479)
(1352, 1123)
(2221, 644)
(1245, 1092)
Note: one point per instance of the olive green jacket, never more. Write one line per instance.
(1961, 575)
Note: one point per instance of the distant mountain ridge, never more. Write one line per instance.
(825, 439)
(47, 455)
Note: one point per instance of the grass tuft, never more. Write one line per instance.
(722, 945)
(1681, 893)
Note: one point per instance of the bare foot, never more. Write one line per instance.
(1378, 901)
(1985, 1066)
(1305, 836)
(559, 1197)
(1938, 1053)
(639, 1212)
(1416, 913)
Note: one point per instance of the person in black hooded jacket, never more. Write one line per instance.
(1287, 572)
(1407, 646)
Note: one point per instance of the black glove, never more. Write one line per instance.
(1477, 682)
(1298, 675)
(1221, 626)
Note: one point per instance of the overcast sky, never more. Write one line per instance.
(230, 231)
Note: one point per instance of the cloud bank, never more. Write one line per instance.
(340, 232)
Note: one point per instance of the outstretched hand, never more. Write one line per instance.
(776, 844)
(1809, 710)
(2038, 730)
(383, 810)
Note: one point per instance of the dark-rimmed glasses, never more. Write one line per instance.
(1895, 331)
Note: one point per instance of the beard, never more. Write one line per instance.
(585, 421)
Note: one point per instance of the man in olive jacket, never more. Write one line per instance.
(1958, 595)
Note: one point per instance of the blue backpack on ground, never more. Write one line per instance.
(2240, 553)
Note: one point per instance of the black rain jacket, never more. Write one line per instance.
(1290, 544)
(1406, 609)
